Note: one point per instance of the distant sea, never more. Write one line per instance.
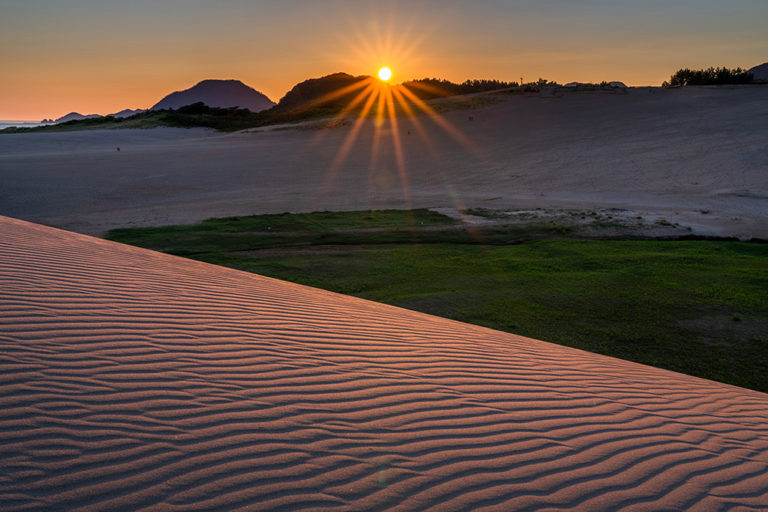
(22, 124)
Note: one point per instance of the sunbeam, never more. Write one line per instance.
(387, 109)
(398, 147)
(382, 106)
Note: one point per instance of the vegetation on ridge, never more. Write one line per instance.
(312, 99)
(709, 76)
(429, 88)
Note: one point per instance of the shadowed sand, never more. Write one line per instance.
(697, 156)
(134, 380)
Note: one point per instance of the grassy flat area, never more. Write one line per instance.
(698, 307)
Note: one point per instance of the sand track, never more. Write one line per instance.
(134, 380)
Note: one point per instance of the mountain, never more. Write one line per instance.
(127, 113)
(328, 91)
(75, 116)
(217, 93)
(760, 72)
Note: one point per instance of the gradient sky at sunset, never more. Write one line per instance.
(100, 56)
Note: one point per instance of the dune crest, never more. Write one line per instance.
(138, 380)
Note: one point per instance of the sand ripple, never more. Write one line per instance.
(131, 380)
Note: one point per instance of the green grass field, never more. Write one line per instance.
(698, 307)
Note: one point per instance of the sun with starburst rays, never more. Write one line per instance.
(380, 101)
(384, 74)
(386, 104)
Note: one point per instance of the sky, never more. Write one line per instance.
(101, 56)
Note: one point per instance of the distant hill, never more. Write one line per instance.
(760, 72)
(326, 92)
(127, 113)
(217, 93)
(75, 116)
(315, 98)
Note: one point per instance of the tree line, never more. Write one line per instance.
(427, 88)
(709, 76)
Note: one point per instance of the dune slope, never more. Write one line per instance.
(133, 380)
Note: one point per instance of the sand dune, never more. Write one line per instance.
(133, 380)
(697, 156)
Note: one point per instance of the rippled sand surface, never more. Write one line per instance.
(134, 380)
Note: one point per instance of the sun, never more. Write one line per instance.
(385, 74)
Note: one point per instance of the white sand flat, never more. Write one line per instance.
(134, 380)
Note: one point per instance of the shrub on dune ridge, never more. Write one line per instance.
(428, 88)
(709, 76)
